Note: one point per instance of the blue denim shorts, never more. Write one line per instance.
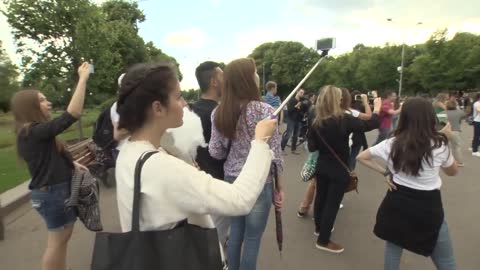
(50, 204)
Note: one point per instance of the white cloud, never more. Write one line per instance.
(188, 38)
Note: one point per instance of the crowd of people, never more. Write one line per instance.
(229, 187)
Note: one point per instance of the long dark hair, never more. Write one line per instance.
(415, 137)
(239, 89)
(346, 99)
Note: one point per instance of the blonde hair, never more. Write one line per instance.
(328, 104)
(442, 97)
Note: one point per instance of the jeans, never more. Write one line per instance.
(50, 204)
(248, 230)
(442, 255)
(330, 190)
(222, 223)
(293, 128)
(383, 133)
(354, 151)
(476, 137)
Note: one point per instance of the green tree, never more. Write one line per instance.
(8, 79)
(437, 65)
(63, 32)
(191, 95)
(285, 62)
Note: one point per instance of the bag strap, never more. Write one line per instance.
(333, 152)
(136, 190)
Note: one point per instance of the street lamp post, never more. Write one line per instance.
(400, 81)
(401, 72)
(263, 77)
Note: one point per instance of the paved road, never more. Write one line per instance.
(25, 232)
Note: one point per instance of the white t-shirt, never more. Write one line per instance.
(115, 119)
(355, 114)
(476, 114)
(429, 178)
(114, 114)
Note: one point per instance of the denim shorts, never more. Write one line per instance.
(50, 204)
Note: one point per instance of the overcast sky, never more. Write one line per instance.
(221, 30)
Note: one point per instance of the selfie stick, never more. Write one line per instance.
(279, 109)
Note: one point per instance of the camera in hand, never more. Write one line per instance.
(372, 94)
(358, 98)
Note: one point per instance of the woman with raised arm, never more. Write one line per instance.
(49, 163)
(330, 133)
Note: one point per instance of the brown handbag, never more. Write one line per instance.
(353, 183)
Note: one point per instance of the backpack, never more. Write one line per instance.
(103, 131)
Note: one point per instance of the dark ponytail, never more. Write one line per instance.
(141, 86)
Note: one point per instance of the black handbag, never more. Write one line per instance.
(185, 247)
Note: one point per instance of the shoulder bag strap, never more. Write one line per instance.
(333, 152)
(137, 189)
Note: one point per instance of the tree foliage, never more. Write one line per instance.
(8, 79)
(285, 62)
(191, 95)
(53, 36)
(437, 65)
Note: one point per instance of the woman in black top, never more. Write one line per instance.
(335, 126)
(49, 164)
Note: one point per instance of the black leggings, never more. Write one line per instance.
(330, 190)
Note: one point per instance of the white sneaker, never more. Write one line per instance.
(476, 154)
(331, 247)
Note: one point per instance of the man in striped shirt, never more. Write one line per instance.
(271, 97)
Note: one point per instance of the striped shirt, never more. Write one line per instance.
(272, 100)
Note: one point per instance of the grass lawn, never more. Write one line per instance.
(14, 172)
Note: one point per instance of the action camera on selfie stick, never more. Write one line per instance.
(323, 45)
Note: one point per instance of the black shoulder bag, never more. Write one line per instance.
(185, 247)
